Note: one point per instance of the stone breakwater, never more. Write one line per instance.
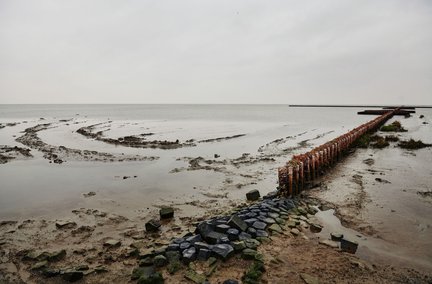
(305, 168)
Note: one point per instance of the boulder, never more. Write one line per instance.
(275, 228)
(253, 195)
(348, 246)
(160, 261)
(152, 225)
(72, 275)
(203, 254)
(249, 254)
(237, 223)
(233, 234)
(223, 251)
(336, 236)
(166, 213)
(189, 255)
(259, 225)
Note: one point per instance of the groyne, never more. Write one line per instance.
(303, 169)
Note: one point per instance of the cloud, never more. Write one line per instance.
(216, 52)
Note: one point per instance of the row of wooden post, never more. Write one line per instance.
(305, 168)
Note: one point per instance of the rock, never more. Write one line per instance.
(250, 221)
(160, 261)
(275, 228)
(65, 224)
(214, 237)
(189, 255)
(100, 269)
(142, 271)
(261, 234)
(222, 228)
(184, 245)
(112, 243)
(39, 265)
(223, 251)
(173, 247)
(233, 234)
(193, 239)
(201, 245)
(295, 232)
(230, 281)
(166, 213)
(251, 231)
(56, 255)
(155, 278)
(302, 211)
(249, 254)
(50, 272)
(72, 275)
(336, 236)
(291, 224)
(91, 193)
(252, 243)
(253, 195)
(237, 223)
(152, 225)
(244, 236)
(259, 225)
(349, 246)
(315, 228)
(309, 279)
(216, 156)
(82, 267)
(239, 245)
(203, 254)
(273, 215)
(329, 243)
(271, 195)
(148, 261)
(269, 221)
(195, 277)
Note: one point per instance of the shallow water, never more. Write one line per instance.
(35, 187)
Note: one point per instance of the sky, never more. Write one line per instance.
(224, 51)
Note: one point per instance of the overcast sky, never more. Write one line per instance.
(347, 52)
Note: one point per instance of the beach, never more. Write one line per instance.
(76, 176)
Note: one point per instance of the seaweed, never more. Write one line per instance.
(391, 138)
(254, 273)
(413, 144)
(394, 127)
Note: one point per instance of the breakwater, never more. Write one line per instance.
(305, 168)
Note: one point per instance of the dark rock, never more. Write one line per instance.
(223, 251)
(349, 246)
(251, 231)
(249, 254)
(172, 256)
(193, 239)
(269, 221)
(189, 255)
(201, 245)
(160, 261)
(224, 240)
(259, 225)
(233, 234)
(250, 221)
(178, 240)
(273, 215)
(173, 247)
(214, 237)
(251, 243)
(336, 236)
(239, 245)
(230, 281)
(184, 245)
(155, 278)
(315, 228)
(50, 272)
(261, 234)
(203, 254)
(271, 195)
(72, 275)
(166, 213)
(148, 261)
(253, 195)
(65, 224)
(244, 236)
(237, 223)
(222, 228)
(152, 225)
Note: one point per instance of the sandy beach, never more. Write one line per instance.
(74, 182)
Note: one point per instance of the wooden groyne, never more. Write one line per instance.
(305, 168)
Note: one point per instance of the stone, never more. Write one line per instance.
(302, 211)
(239, 245)
(291, 224)
(155, 278)
(248, 254)
(56, 255)
(222, 228)
(280, 221)
(223, 251)
(152, 225)
(185, 245)
(148, 261)
(237, 223)
(224, 240)
(193, 239)
(252, 243)
(348, 246)
(275, 228)
(82, 267)
(253, 195)
(315, 228)
(295, 232)
(233, 234)
(178, 240)
(166, 213)
(72, 275)
(160, 261)
(195, 277)
(201, 245)
(214, 237)
(65, 224)
(261, 234)
(329, 243)
(230, 281)
(189, 255)
(142, 271)
(259, 225)
(100, 269)
(269, 221)
(112, 243)
(273, 215)
(336, 236)
(250, 221)
(309, 279)
(203, 254)
(50, 272)
(173, 247)
(244, 236)
(39, 265)
(251, 231)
